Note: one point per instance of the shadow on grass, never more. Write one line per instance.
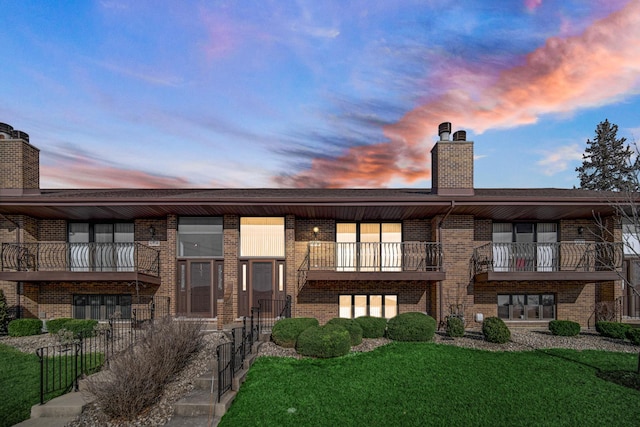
(628, 379)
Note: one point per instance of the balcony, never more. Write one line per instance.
(61, 261)
(372, 261)
(564, 261)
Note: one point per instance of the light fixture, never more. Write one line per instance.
(152, 232)
(580, 230)
(316, 230)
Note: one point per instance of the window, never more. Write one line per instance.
(200, 237)
(101, 307)
(101, 246)
(526, 307)
(525, 246)
(352, 306)
(631, 238)
(262, 237)
(369, 246)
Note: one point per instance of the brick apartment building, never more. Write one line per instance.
(525, 255)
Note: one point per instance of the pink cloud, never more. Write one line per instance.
(595, 68)
(83, 172)
(532, 5)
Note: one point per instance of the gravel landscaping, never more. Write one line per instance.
(161, 413)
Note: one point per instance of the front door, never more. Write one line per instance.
(261, 283)
(196, 293)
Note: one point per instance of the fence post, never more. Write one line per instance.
(40, 354)
(79, 349)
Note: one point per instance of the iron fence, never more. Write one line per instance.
(231, 355)
(270, 311)
(62, 365)
(93, 256)
(374, 256)
(562, 256)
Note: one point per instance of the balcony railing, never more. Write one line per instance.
(374, 256)
(80, 257)
(540, 257)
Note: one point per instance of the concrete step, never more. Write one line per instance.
(67, 405)
(193, 422)
(206, 381)
(198, 403)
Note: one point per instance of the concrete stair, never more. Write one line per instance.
(202, 402)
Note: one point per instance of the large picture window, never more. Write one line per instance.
(527, 307)
(101, 246)
(262, 237)
(369, 246)
(352, 306)
(525, 246)
(200, 237)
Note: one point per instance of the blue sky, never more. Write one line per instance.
(314, 93)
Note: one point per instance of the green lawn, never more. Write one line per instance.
(417, 384)
(20, 383)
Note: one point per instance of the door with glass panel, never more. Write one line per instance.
(546, 248)
(368, 247)
(198, 281)
(501, 247)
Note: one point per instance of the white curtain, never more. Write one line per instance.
(262, 237)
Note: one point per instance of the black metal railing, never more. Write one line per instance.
(62, 365)
(374, 256)
(63, 256)
(231, 355)
(270, 311)
(562, 256)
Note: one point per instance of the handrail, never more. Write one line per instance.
(374, 256)
(561, 256)
(93, 256)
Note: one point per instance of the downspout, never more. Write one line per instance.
(439, 240)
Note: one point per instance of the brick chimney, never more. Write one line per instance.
(452, 163)
(19, 163)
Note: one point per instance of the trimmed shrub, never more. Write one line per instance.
(564, 328)
(25, 327)
(495, 330)
(355, 330)
(372, 327)
(612, 329)
(455, 326)
(412, 326)
(324, 341)
(84, 327)
(54, 325)
(633, 334)
(286, 331)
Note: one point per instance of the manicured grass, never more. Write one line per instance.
(417, 384)
(19, 385)
(20, 382)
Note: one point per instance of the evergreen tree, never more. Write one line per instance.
(608, 164)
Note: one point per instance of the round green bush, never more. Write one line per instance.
(324, 341)
(54, 325)
(286, 331)
(564, 328)
(372, 327)
(84, 327)
(495, 330)
(25, 327)
(612, 329)
(355, 330)
(633, 334)
(455, 326)
(412, 326)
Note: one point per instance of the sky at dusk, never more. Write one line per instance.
(155, 94)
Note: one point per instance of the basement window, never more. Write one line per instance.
(101, 307)
(352, 306)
